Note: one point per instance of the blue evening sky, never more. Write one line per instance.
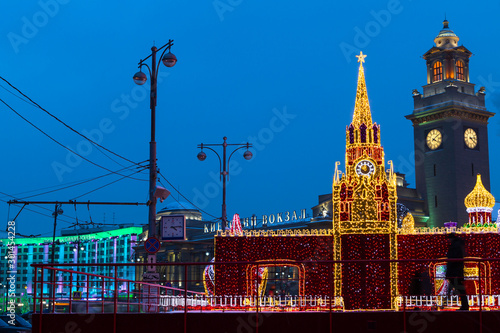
(280, 74)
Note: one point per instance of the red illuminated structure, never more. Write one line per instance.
(381, 262)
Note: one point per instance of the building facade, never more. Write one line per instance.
(84, 246)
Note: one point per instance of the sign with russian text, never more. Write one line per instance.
(267, 221)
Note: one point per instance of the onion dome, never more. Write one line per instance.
(479, 197)
(446, 39)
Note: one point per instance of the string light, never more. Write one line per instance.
(435, 246)
(364, 212)
(365, 227)
(234, 279)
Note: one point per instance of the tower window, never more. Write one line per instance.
(362, 130)
(375, 133)
(437, 71)
(460, 70)
(472, 169)
(434, 170)
(435, 201)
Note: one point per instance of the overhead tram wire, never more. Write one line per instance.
(22, 99)
(182, 195)
(215, 218)
(83, 182)
(37, 212)
(79, 181)
(71, 223)
(91, 142)
(115, 181)
(47, 135)
(66, 125)
(35, 105)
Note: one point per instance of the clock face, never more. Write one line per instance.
(434, 139)
(173, 227)
(365, 168)
(470, 137)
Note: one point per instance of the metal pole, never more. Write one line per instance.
(71, 291)
(52, 259)
(16, 202)
(53, 289)
(152, 150)
(78, 257)
(185, 297)
(223, 165)
(34, 291)
(224, 175)
(128, 296)
(41, 302)
(88, 293)
(102, 294)
(115, 300)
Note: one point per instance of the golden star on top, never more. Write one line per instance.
(361, 57)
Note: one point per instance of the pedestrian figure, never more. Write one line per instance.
(455, 269)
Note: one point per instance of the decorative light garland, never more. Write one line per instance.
(233, 279)
(365, 227)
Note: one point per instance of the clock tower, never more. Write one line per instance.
(364, 213)
(450, 131)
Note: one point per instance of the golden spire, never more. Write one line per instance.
(479, 197)
(362, 112)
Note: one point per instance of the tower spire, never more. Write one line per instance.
(362, 114)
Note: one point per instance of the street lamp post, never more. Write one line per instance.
(140, 78)
(57, 211)
(223, 166)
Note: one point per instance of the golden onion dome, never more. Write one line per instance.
(479, 197)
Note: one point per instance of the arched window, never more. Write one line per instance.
(343, 192)
(460, 70)
(375, 133)
(362, 132)
(351, 134)
(437, 74)
(384, 216)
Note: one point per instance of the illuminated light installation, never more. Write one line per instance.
(479, 205)
(209, 279)
(364, 213)
(434, 245)
(408, 226)
(265, 247)
(259, 274)
(236, 225)
(365, 227)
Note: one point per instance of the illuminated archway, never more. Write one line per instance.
(477, 277)
(257, 285)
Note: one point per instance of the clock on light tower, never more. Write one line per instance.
(173, 227)
(450, 126)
